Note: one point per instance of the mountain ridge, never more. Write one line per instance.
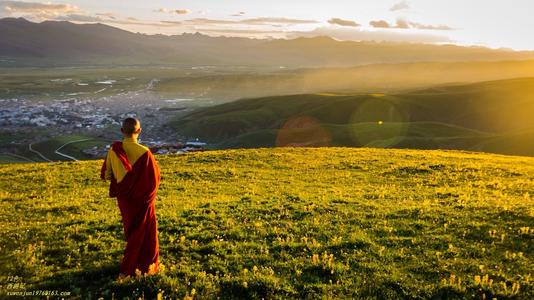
(65, 42)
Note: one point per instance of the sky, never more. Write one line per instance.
(490, 23)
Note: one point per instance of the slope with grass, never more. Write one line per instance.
(284, 223)
(71, 145)
(461, 117)
(416, 135)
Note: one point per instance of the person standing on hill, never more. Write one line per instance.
(134, 176)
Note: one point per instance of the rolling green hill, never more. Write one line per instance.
(283, 223)
(519, 142)
(473, 116)
(424, 135)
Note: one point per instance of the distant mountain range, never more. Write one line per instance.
(63, 43)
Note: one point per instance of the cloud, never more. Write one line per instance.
(204, 21)
(79, 18)
(380, 24)
(261, 27)
(174, 11)
(108, 15)
(58, 12)
(430, 27)
(172, 22)
(238, 14)
(254, 21)
(97, 18)
(13, 7)
(37, 11)
(182, 11)
(341, 22)
(268, 21)
(404, 24)
(400, 6)
(112, 20)
(240, 32)
(142, 23)
(353, 34)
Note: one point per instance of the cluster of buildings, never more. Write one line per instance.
(163, 148)
(156, 148)
(97, 117)
(69, 113)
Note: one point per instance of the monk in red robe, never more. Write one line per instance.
(134, 176)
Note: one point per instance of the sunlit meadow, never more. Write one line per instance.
(283, 223)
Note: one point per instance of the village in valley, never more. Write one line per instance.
(36, 121)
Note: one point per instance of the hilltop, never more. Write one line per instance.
(491, 116)
(284, 223)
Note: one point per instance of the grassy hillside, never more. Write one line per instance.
(423, 135)
(284, 223)
(70, 145)
(10, 158)
(75, 144)
(518, 142)
(461, 117)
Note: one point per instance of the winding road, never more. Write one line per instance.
(57, 150)
(72, 142)
(38, 153)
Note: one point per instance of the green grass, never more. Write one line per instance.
(76, 149)
(15, 143)
(418, 135)
(18, 137)
(514, 143)
(463, 117)
(6, 158)
(284, 223)
(49, 146)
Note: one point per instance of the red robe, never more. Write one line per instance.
(136, 195)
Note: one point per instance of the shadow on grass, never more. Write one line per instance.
(85, 284)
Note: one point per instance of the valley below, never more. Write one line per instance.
(232, 107)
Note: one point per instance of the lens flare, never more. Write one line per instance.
(378, 122)
(303, 132)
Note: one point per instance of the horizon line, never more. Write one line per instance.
(450, 43)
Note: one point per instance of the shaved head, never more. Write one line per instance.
(130, 126)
